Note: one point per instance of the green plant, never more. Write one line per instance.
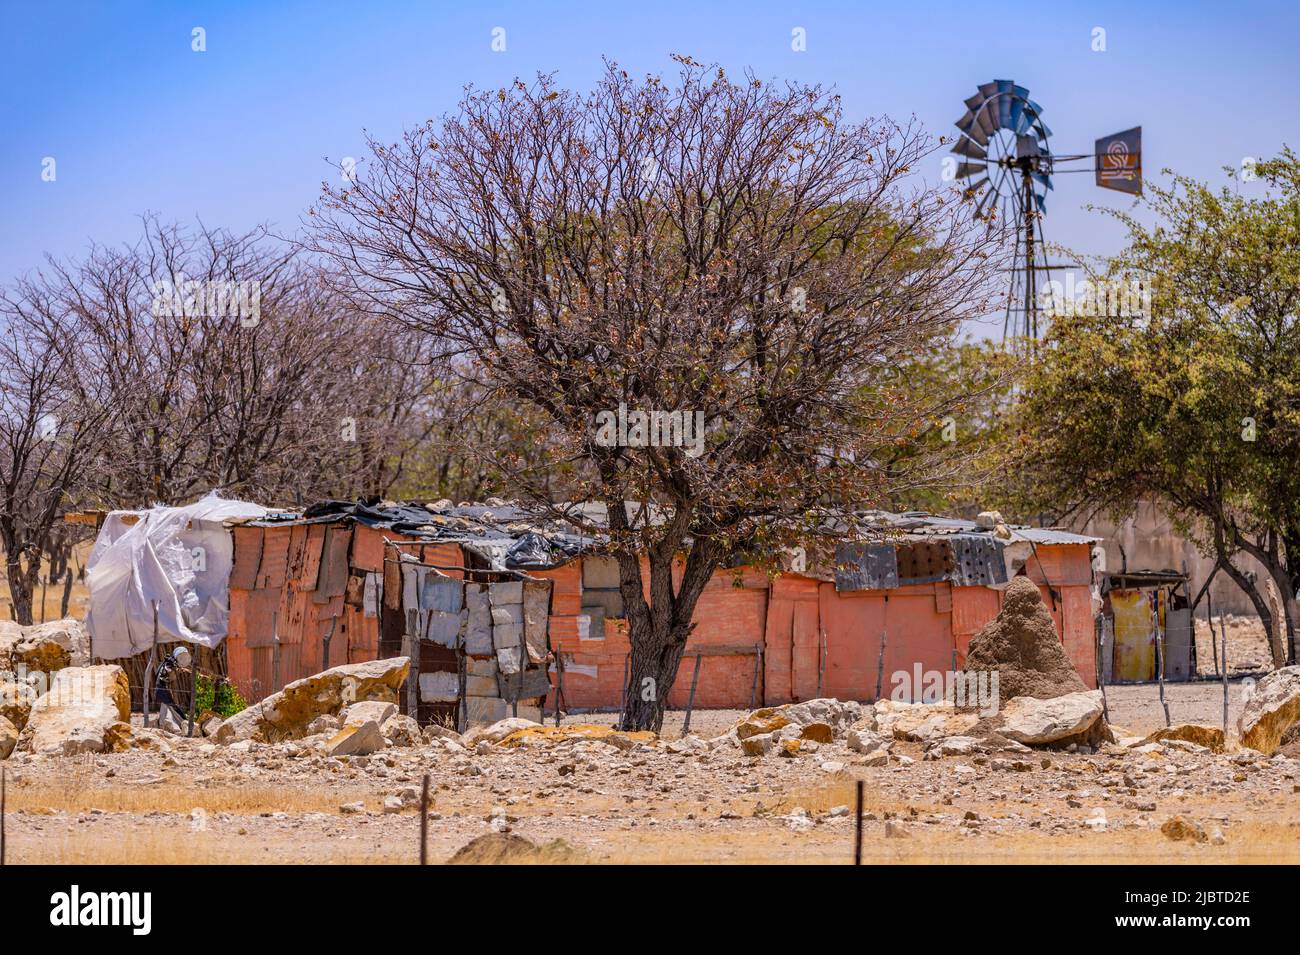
(222, 699)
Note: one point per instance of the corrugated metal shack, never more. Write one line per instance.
(341, 583)
(344, 582)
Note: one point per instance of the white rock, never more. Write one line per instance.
(1038, 722)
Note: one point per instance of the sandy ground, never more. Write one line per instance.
(189, 801)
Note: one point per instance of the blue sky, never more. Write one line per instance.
(239, 134)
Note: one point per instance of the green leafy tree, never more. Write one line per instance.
(1195, 405)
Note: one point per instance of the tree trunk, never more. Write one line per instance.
(20, 592)
(652, 669)
(1261, 606)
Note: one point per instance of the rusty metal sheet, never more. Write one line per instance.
(248, 558)
(275, 558)
(864, 566)
(976, 562)
(260, 609)
(334, 569)
(311, 557)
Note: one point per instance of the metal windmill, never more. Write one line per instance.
(1007, 161)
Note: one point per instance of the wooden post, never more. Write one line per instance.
(753, 686)
(3, 787)
(1099, 625)
(424, 821)
(1160, 653)
(194, 689)
(275, 652)
(1223, 649)
(857, 826)
(1214, 637)
(559, 685)
(690, 700)
(148, 670)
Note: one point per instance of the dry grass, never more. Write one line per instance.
(179, 797)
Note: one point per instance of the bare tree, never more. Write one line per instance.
(52, 425)
(232, 366)
(731, 253)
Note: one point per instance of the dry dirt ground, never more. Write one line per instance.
(193, 802)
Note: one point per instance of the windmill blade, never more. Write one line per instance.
(1004, 102)
(973, 188)
(967, 169)
(969, 148)
(987, 119)
(972, 129)
(974, 102)
(1042, 179)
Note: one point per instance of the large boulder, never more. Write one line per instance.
(376, 711)
(1021, 645)
(1271, 710)
(10, 634)
(288, 713)
(52, 643)
(1211, 737)
(8, 737)
(87, 710)
(921, 722)
(497, 731)
(820, 717)
(16, 701)
(1075, 717)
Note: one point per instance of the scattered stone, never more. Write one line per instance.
(864, 741)
(401, 730)
(1182, 829)
(356, 740)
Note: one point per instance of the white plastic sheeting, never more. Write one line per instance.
(178, 556)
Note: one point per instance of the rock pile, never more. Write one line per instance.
(289, 713)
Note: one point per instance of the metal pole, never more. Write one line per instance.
(3, 793)
(690, 700)
(857, 828)
(753, 686)
(424, 821)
